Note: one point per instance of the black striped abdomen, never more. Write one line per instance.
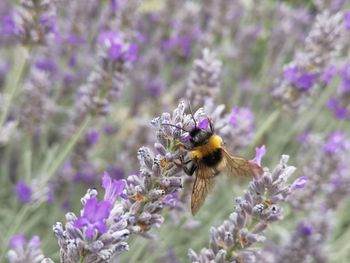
(212, 159)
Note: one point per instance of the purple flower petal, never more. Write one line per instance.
(113, 188)
(94, 215)
(305, 81)
(347, 19)
(336, 142)
(291, 73)
(328, 74)
(203, 124)
(34, 243)
(305, 229)
(299, 183)
(17, 242)
(93, 137)
(259, 154)
(340, 112)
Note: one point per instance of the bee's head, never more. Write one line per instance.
(201, 133)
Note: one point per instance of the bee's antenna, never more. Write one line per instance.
(172, 125)
(189, 106)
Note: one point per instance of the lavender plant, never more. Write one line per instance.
(80, 82)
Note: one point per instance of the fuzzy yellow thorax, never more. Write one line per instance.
(214, 143)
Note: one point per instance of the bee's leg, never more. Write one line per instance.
(211, 126)
(185, 162)
(190, 171)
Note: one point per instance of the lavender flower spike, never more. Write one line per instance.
(23, 251)
(205, 78)
(254, 211)
(304, 74)
(98, 233)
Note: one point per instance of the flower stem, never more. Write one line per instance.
(16, 223)
(66, 150)
(13, 80)
(266, 126)
(22, 214)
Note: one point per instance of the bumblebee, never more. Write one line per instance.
(207, 158)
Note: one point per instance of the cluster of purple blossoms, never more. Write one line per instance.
(325, 166)
(306, 243)
(31, 23)
(260, 206)
(23, 251)
(98, 233)
(106, 81)
(66, 63)
(37, 104)
(205, 79)
(23, 191)
(324, 163)
(340, 104)
(306, 72)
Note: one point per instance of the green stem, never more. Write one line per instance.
(13, 81)
(81, 259)
(266, 126)
(15, 225)
(66, 150)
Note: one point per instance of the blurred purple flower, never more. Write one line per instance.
(170, 200)
(113, 188)
(328, 74)
(74, 39)
(259, 154)
(305, 81)
(291, 73)
(154, 88)
(302, 80)
(305, 229)
(113, 5)
(17, 242)
(303, 137)
(117, 48)
(335, 105)
(66, 205)
(94, 215)
(115, 172)
(336, 141)
(92, 137)
(22, 250)
(50, 195)
(49, 23)
(8, 26)
(299, 183)
(345, 84)
(182, 44)
(68, 79)
(242, 115)
(24, 193)
(347, 19)
(46, 64)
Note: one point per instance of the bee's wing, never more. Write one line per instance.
(203, 184)
(239, 166)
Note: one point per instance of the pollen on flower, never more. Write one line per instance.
(137, 197)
